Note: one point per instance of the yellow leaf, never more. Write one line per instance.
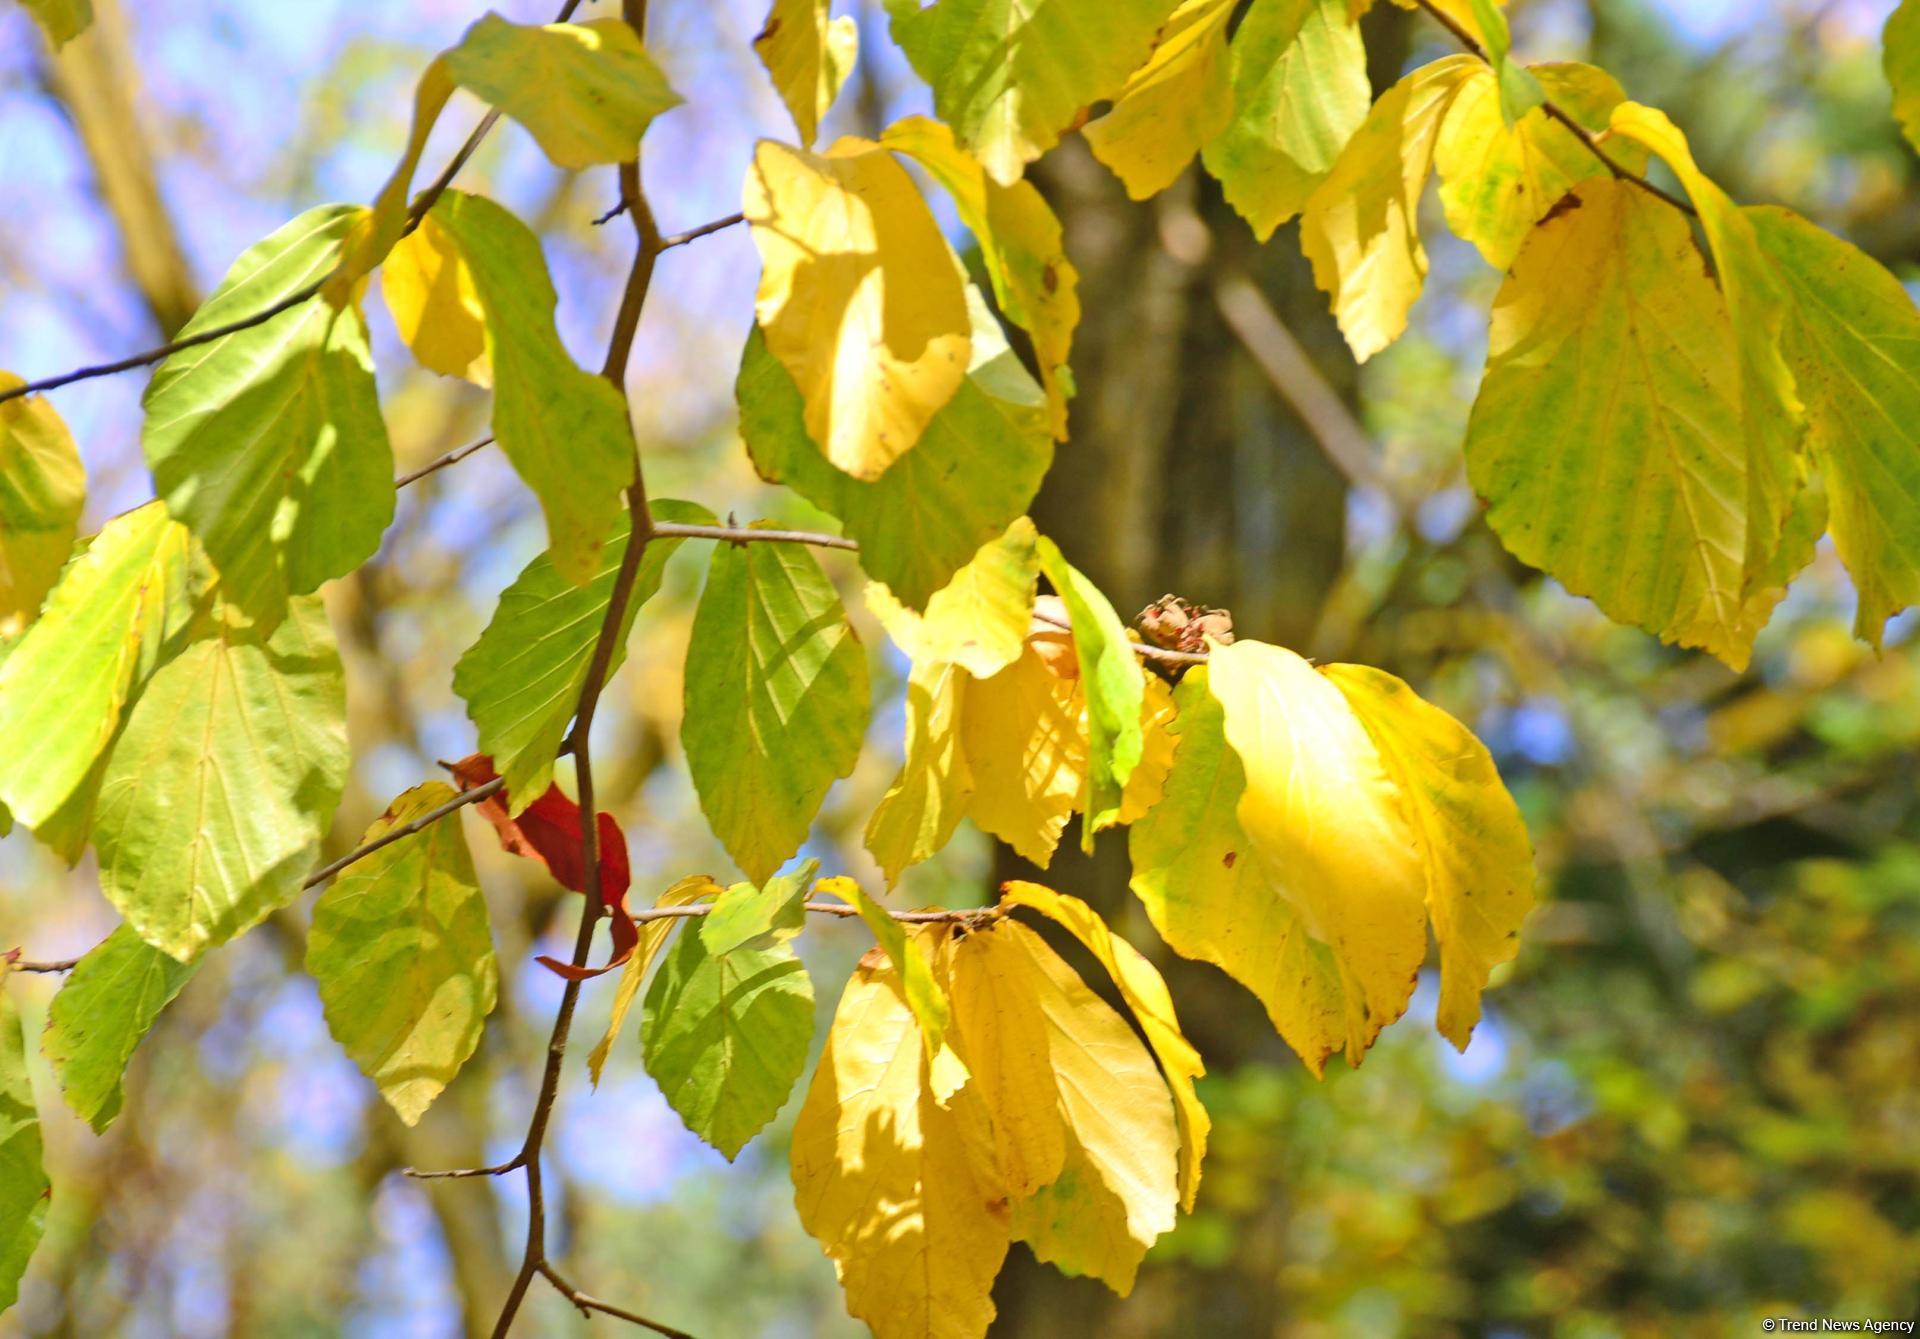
(1479, 862)
(1117, 1191)
(1021, 243)
(979, 619)
(1460, 11)
(1000, 1026)
(1327, 826)
(435, 304)
(43, 488)
(1773, 421)
(809, 57)
(929, 797)
(1145, 992)
(1149, 779)
(860, 298)
(1195, 872)
(1604, 459)
(653, 934)
(901, 1193)
(1495, 182)
(1025, 737)
(1181, 98)
(1361, 228)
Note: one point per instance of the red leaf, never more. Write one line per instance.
(548, 830)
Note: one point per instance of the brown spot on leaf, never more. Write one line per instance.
(1229, 858)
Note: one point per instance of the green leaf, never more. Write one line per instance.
(102, 1014)
(726, 1036)
(1852, 338)
(564, 429)
(1010, 76)
(521, 681)
(63, 20)
(1900, 55)
(776, 699)
(43, 487)
(973, 472)
(403, 955)
(212, 807)
(750, 917)
(1520, 92)
(586, 91)
(66, 685)
(1115, 689)
(1300, 91)
(653, 934)
(268, 443)
(1603, 459)
(24, 1189)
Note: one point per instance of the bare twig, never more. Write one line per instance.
(453, 457)
(668, 243)
(512, 1164)
(1145, 650)
(426, 820)
(1560, 114)
(588, 1305)
(15, 963)
(729, 534)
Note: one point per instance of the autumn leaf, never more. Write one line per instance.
(809, 56)
(43, 487)
(653, 936)
(548, 830)
(860, 298)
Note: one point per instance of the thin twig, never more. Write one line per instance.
(453, 457)
(512, 1164)
(729, 534)
(589, 1304)
(426, 820)
(1560, 114)
(15, 963)
(1145, 650)
(705, 229)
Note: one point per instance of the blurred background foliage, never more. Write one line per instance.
(1695, 1099)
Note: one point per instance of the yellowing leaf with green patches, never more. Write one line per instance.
(1900, 57)
(1361, 226)
(1479, 863)
(1021, 245)
(809, 57)
(1145, 992)
(435, 304)
(43, 487)
(1195, 872)
(901, 1193)
(776, 699)
(1149, 780)
(1299, 92)
(1025, 740)
(224, 780)
(402, 951)
(979, 619)
(1327, 826)
(564, 430)
(268, 443)
(1111, 1104)
(1497, 182)
(860, 298)
(24, 1189)
(726, 1036)
(975, 470)
(917, 815)
(522, 680)
(1111, 678)
(66, 685)
(1852, 339)
(1773, 421)
(586, 91)
(103, 1012)
(1606, 440)
(1181, 98)
(653, 934)
(62, 20)
(1011, 76)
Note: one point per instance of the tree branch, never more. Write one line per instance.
(588, 1305)
(1560, 114)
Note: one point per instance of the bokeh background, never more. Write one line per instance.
(1695, 1099)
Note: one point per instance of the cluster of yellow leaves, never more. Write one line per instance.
(998, 722)
(1054, 1125)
